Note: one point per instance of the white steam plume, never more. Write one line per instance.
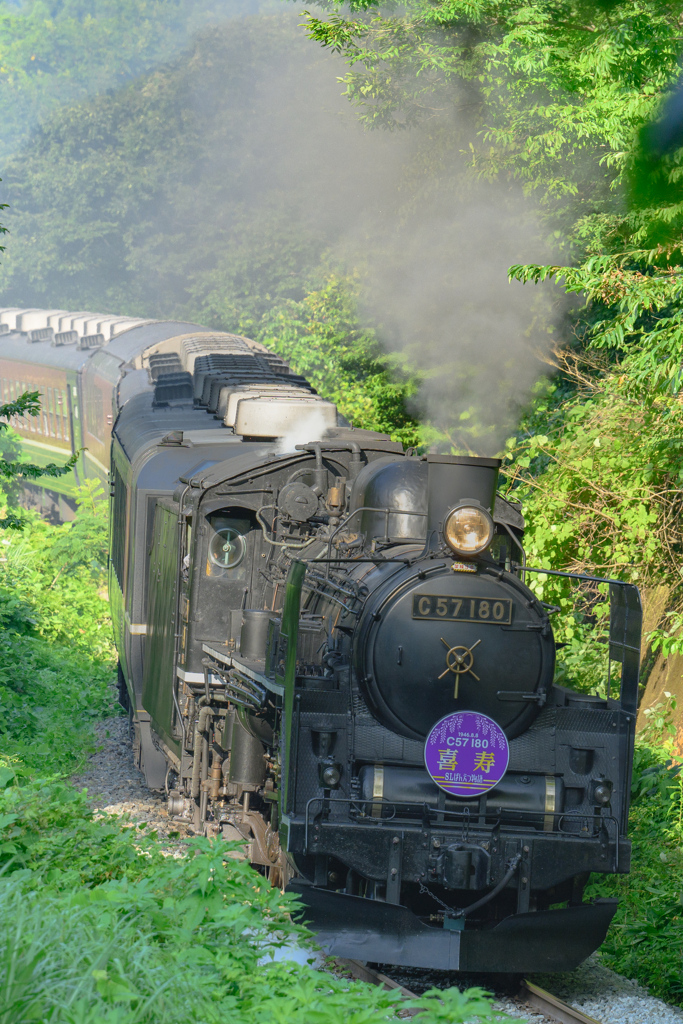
(434, 246)
(439, 291)
(312, 425)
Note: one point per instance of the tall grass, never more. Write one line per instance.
(162, 939)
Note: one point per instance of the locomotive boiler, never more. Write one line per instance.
(332, 657)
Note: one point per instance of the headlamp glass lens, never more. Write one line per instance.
(331, 776)
(468, 530)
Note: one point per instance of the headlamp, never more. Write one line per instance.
(602, 793)
(468, 530)
(330, 776)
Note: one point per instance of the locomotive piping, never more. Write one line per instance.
(177, 707)
(199, 734)
(368, 508)
(278, 543)
(342, 446)
(507, 877)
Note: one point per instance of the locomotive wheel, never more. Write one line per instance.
(280, 873)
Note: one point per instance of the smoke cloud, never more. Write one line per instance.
(312, 425)
(434, 247)
(443, 303)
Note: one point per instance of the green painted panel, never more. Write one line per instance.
(289, 633)
(158, 682)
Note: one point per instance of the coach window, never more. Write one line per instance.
(187, 548)
(227, 547)
(119, 517)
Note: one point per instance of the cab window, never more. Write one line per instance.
(227, 549)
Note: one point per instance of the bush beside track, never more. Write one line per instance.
(645, 940)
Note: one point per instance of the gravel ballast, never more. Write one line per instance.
(116, 786)
(608, 997)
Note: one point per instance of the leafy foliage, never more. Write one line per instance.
(557, 89)
(646, 939)
(113, 190)
(180, 196)
(13, 469)
(54, 53)
(558, 94)
(444, 1006)
(599, 474)
(56, 650)
(99, 925)
(60, 573)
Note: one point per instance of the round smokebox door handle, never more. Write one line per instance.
(459, 663)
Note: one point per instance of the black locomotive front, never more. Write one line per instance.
(380, 594)
(398, 870)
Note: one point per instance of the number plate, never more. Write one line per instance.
(463, 609)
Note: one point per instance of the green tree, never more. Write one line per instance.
(54, 52)
(167, 197)
(554, 95)
(321, 338)
(182, 195)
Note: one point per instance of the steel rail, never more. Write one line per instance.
(551, 1006)
(534, 996)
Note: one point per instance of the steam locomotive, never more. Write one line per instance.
(332, 657)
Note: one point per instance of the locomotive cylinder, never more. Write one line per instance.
(454, 478)
(247, 761)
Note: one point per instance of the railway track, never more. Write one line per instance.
(536, 998)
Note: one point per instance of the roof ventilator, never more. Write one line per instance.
(40, 334)
(65, 338)
(253, 411)
(91, 341)
(173, 389)
(162, 363)
(198, 347)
